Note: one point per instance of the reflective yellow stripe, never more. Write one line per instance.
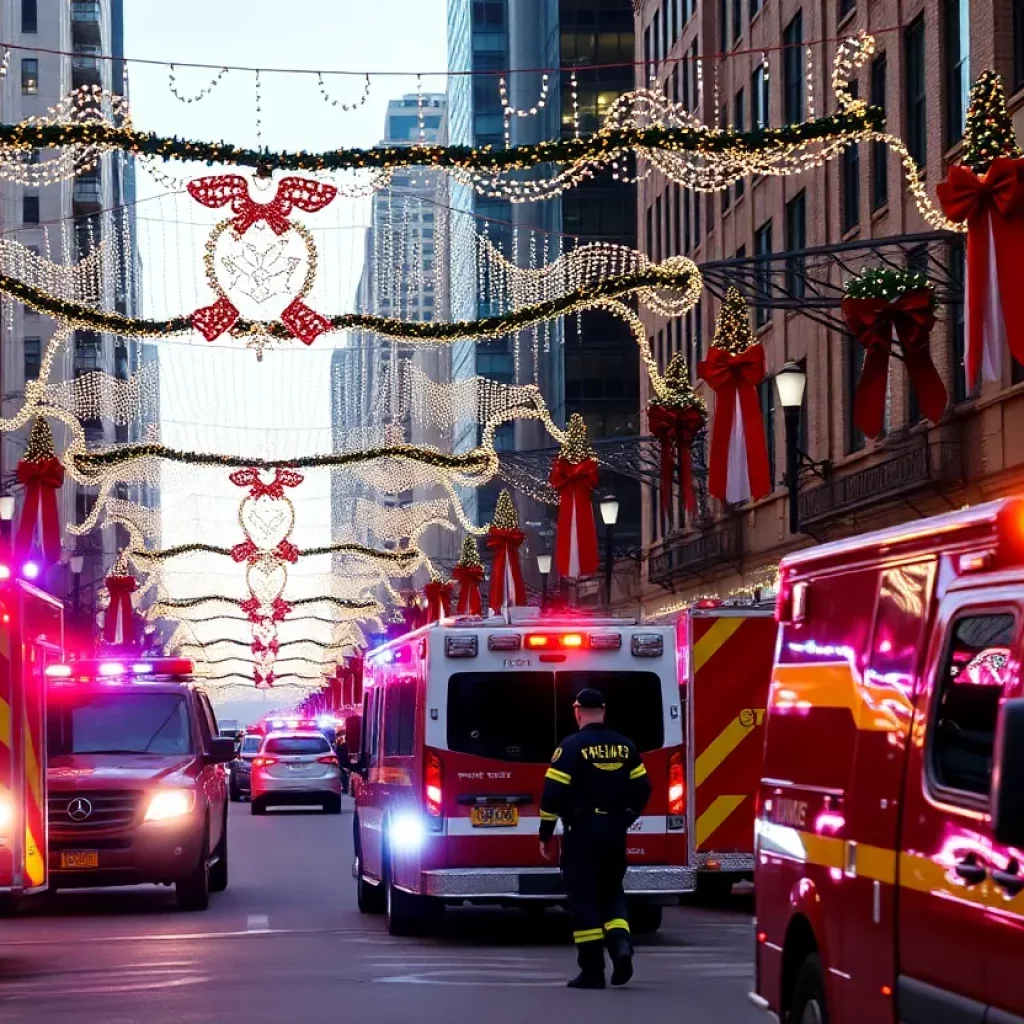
(710, 643)
(588, 935)
(617, 922)
(638, 771)
(548, 816)
(556, 776)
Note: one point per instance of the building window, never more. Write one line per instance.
(659, 248)
(854, 362)
(33, 355)
(739, 123)
(696, 219)
(737, 20)
(851, 181)
(760, 107)
(755, 7)
(879, 150)
(846, 8)
(762, 272)
(29, 16)
(723, 123)
(914, 90)
(29, 209)
(767, 389)
(1018, 44)
(29, 76)
(686, 221)
(796, 242)
(658, 52)
(648, 55)
(694, 74)
(956, 15)
(958, 327)
(793, 69)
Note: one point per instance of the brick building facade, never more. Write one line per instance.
(765, 62)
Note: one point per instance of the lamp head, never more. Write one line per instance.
(791, 381)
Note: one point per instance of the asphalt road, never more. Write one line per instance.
(286, 943)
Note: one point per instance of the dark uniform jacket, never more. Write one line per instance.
(595, 772)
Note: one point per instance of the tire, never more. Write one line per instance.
(809, 1005)
(193, 891)
(369, 898)
(219, 868)
(333, 806)
(714, 889)
(257, 806)
(406, 913)
(644, 917)
(233, 793)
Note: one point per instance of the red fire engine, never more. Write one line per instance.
(31, 637)
(890, 826)
(459, 724)
(725, 663)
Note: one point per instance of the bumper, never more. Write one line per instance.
(728, 863)
(272, 790)
(547, 883)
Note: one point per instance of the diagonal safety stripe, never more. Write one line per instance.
(5, 723)
(720, 809)
(32, 771)
(556, 776)
(708, 645)
(719, 749)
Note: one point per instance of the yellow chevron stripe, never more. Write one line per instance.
(712, 640)
(32, 771)
(720, 748)
(35, 862)
(720, 809)
(5, 723)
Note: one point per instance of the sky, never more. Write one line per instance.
(214, 397)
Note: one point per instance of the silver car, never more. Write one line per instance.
(297, 766)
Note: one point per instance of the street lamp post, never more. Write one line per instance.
(791, 381)
(6, 521)
(76, 563)
(544, 568)
(609, 508)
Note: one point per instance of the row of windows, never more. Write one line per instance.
(665, 28)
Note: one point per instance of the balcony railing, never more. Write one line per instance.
(904, 471)
(689, 554)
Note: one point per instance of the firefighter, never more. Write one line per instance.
(598, 786)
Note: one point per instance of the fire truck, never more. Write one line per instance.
(725, 666)
(31, 638)
(890, 822)
(459, 723)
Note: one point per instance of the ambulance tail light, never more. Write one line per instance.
(647, 645)
(676, 786)
(460, 646)
(433, 790)
(553, 641)
(605, 641)
(504, 642)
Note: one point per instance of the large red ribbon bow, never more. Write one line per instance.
(439, 600)
(732, 376)
(505, 544)
(992, 207)
(263, 680)
(42, 480)
(575, 483)
(119, 611)
(873, 322)
(259, 647)
(469, 578)
(676, 430)
(258, 489)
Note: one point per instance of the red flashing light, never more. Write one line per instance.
(535, 640)
(572, 640)
(541, 641)
(708, 602)
(5, 571)
(676, 785)
(433, 788)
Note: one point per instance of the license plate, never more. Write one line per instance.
(79, 859)
(499, 816)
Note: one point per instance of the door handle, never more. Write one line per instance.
(970, 871)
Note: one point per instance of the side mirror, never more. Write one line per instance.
(222, 750)
(1007, 796)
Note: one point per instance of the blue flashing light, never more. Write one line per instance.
(30, 570)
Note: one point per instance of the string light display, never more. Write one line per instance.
(988, 130)
(505, 515)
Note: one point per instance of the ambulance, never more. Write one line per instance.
(725, 666)
(890, 822)
(459, 723)
(31, 638)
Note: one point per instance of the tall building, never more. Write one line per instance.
(772, 66)
(66, 222)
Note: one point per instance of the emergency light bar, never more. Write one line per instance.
(117, 670)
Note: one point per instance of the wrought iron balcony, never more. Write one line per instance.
(919, 467)
(694, 554)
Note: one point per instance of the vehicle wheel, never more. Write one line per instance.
(257, 806)
(644, 917)
(233, 794)
(369, 898)
(9, 905)
(193, 891)
(333, 806)
(713, 889)
(406, 914)
(809, 1005)
(219, 869)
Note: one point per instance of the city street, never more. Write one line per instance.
(285, 942)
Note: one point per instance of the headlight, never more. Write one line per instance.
(6, 813)
(406, 832)
(172, 803)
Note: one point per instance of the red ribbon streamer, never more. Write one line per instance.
(258, 489)
(505, 544)
(302, 193)
(873, 321)
(42, 480)
(676, 430)
(469, 578)
(992, 202)
(439, 600)
(728, 376)
(120, 589)
(575, 483)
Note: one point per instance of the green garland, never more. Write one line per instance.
(338, 602)
(163, 554)
(602, 145)
(887, 283)
(247, 644)
(388, 327)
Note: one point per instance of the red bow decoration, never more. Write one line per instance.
(252, 607)
(676, 430)
(279, 609)
(259, 647)
(505, 544)
(439, 600)
(575, 482)
(469, 578)
(258, 489)
(732, 377)
(245, 552)
(873, 322)
(301, 193)
(991, 205)
(287, 551)
(119, 611)
(263, 680)
(42, 480)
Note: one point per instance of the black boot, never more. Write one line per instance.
(590, 957)
(621, 952)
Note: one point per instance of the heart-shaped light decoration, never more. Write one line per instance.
(267, 521)
(265, 632)
(266, 580)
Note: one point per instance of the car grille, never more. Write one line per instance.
(107, 809)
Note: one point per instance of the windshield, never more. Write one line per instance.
(523, 717)
(251, 744)
(117, 723)
(297, 745)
